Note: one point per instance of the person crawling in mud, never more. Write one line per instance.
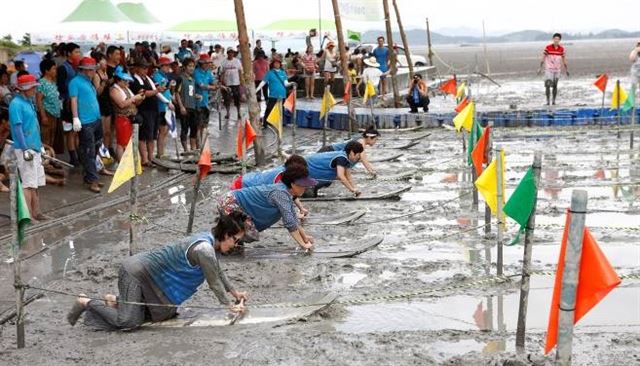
(169, 276)
(271, 176)
(325, 167)
(369, 138)
(265, 205)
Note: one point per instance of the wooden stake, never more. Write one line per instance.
(570, 275)
(499, 213)
(342, 46)
(196, 185)
(248, 81)
(602, 107)
(293, 118)
(618, 107)
(15, 248)
(133, 191)
(526, 262)
(429, 50)
(393, 69)
(403, 36)
(325, 120)
(487, 209)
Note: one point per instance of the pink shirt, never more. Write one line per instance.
(309, 62)
(260, 68)
(553, 58)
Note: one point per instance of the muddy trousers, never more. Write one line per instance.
(551, 90)
(102, 317)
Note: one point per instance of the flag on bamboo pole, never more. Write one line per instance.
(461, 91)
(249, 136)
(347, 92)
(631, 100)
(474, 136)
(354, 36)
(619, 96)
(204, 163)
(601, 82)
(521, 203)
(22, 211)
(479, 153)
(126, 168)
(487, 184)
(290, 102)
(327, 103)
(449, 87)
(462, 105)
(275, 117)
(465, 118)
(369, 91)
(596, 278)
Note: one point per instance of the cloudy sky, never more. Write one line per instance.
(458, 17)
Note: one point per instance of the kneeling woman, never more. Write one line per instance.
(369, 138)
(169, 275)
(265, 205)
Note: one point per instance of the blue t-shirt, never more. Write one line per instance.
(204, 78)
(161, 80)
(382, 57)
(276, 79)
(22, 115)
(88, 108)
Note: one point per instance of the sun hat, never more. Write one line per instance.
(204, 59)
(88, 63)
(371, 61)
(26, 82)
(120, 74)
(164, 61)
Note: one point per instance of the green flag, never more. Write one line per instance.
(354, 36)
(521, 203)
(474, 137)
(631, 100)
(22, 211)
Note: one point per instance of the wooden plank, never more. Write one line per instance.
(332, 250)
(395, 194)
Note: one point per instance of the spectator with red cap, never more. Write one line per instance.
(204, 83)
(25, 133)
(165, 101)
(86, 119)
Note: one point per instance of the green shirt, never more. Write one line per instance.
(50, 97)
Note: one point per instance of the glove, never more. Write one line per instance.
(77, 126)
(27, 155)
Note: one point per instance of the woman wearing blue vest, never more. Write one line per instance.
(266, 205)
(326, 167)
(166, 276)
(369, 138)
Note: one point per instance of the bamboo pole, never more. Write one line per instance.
(602, 106)
(254, 107)
(499, 213)
(487, 209)
(403, 36)
(342, 46)
(196, 185)
(393, 69)
(293, 118)
(634, 109)
(15, 246)
(526, 262)
(243, 148)
(325, 119)
(570, 275)
(618, 107)
(279, 105)
(429, 50)
(133, 191)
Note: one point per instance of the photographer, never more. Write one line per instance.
(417, 96)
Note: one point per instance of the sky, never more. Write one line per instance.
(460, 17)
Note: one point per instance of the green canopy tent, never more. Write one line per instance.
(137, 13)
(96, 11)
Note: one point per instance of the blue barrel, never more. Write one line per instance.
(314, 119)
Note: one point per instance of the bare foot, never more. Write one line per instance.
(78, 307)
(111, 301)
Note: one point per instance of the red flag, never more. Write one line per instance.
(462, 104)
(347, 92)
(449, 87)
(479, 153)
(204, 163)
(595, 280)
(290, 102)
(250, 136)
(601, 82)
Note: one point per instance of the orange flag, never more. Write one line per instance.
(250, 136)
(204, 163)
(462, 104)
(595, 280)
(601, 82)
(449, 87)
(347, 92)
(290, 102)
(479, 153)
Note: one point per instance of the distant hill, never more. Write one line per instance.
(416, 36)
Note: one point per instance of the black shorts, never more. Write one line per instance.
(231, 94)
(162, 122)
(149, 127)
(203, 116)
(189, 125)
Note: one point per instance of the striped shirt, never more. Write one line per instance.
(309, 62)
(553, 58)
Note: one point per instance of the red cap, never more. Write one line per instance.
(88, 63)
(204, 58)
(26, 82)
(164, 61)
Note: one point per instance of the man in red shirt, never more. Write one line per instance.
(553, 58)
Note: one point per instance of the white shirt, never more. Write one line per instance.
(373, 74)
(230, 70)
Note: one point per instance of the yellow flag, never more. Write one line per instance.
(461, 90)
(125, 169)
(618, 92)
(275, 117)
(369, 91)
(487, 184)
(327, 103)
(465, 117)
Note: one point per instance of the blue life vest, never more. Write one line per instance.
(255, 203)
(320, 165)
(264, 178)
(171, 271)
